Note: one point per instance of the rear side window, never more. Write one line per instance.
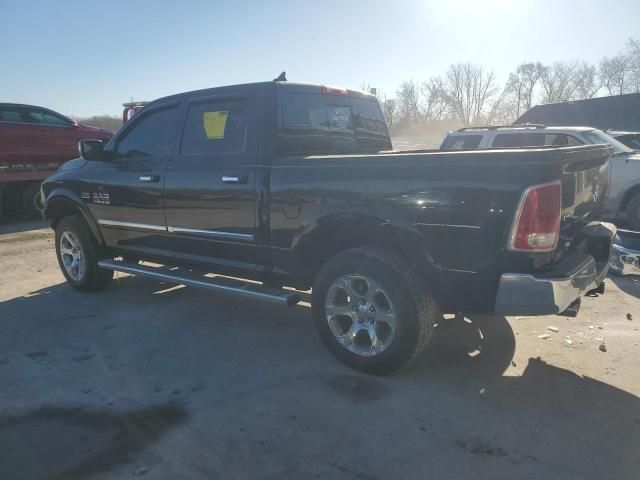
(149, 135)
(461, 142)
(317, 123)
(531, 139)
(215, 127)
(11, 114)
(524, 139)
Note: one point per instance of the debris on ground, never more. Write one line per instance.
(544, 336)
(553, 329)
(513, 363)
(629, 316)
(568, 341)
(590, 327)
(603, 347)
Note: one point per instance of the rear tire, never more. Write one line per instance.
(78, 253)
(403, 311)
(30, 201)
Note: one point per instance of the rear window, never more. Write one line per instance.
(317, 123)
(461, 142)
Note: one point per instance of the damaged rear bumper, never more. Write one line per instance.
(554, 291)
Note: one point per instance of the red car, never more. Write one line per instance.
(34, 141)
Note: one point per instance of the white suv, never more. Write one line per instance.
(623, 196)
(522, 136)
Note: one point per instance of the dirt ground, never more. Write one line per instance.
(151, 380)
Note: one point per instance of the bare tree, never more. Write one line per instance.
(616, 74)
(468, 88)
(558, 81)
(434, 100)
(587, 81)
(633, 51)
(389, 107)
(518, 94)
(408, 101)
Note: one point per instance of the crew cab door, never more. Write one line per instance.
(126, 191)
(210, 183)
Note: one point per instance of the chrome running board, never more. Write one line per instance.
(194, 279)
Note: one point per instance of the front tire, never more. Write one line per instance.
(373, 310)
(78, 254)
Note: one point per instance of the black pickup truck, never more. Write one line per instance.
(267, 190)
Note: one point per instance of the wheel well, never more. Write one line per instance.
(58, 208)
(629, 194)
(334, 236)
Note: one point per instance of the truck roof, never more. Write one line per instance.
(289, 86)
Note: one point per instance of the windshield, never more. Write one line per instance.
(597, 136)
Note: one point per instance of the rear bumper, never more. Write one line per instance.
(553, 292)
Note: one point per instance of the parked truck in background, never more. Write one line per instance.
(293, 187)
(34, 142)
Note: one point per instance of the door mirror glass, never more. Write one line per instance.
(92, 150)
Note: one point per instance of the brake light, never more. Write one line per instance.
(536, 226)
(333, 90)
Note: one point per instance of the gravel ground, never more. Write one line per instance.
(152, 380)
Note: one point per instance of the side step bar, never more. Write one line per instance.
(193, 279)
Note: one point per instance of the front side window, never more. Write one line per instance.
(148, 136)
(215, 127)
(43, 117)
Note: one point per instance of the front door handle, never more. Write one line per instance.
(236, 180)
(150, 178)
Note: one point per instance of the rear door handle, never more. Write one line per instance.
(232, 179)
(150, 178)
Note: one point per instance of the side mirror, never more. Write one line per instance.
(92, 150)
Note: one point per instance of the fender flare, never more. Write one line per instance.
(66, 196)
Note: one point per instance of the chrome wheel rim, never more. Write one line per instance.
(72, 256)
(360, 315)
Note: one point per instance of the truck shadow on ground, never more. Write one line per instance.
(452, 409)
(18, 225)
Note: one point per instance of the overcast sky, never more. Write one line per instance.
(87, 57)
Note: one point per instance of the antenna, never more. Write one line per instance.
(281, 78)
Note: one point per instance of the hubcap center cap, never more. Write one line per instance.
(365, 308)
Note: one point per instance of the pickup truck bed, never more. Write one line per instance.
(306, 194)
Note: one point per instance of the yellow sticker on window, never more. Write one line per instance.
(214, 124)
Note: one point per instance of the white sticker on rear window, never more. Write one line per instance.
(339, 117)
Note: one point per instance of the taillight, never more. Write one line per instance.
(537, 222)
